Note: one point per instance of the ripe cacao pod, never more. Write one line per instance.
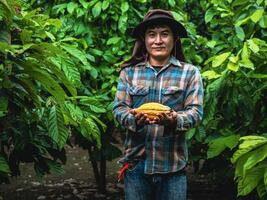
(152, 109)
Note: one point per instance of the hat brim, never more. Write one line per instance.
(178, 29)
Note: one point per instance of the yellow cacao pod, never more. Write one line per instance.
(152, 109)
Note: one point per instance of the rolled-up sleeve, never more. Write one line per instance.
(123, 102)
(193, 104)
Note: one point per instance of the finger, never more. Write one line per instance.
(139, 115)
(155, 120)
(133, 111)
(142, 120)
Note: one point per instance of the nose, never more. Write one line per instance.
(158, 39)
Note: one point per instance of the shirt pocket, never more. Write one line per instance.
(139, 94)
(173, 96)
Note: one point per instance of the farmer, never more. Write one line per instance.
(155, 153)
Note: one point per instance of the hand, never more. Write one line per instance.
(140, 118)
(166, 119)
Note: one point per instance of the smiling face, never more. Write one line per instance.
(159, 43)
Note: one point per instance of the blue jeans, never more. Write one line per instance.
(140, 186)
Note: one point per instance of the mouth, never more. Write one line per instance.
(158, 48)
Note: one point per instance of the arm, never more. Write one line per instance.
(122, 104)
(193, 105)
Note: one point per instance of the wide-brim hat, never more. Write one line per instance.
(159, 17)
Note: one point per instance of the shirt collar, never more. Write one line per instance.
(172, 60)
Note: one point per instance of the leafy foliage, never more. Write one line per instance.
(59, 64)
(250, 163)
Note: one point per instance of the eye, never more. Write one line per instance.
(165, 34)
(151, 34)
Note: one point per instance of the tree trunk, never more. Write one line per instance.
(103, 181)
(94, 165)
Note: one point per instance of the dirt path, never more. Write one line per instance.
(77, 183)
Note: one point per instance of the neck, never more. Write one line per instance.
(158, 62)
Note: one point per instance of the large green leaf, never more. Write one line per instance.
(218, 60)
(90, 131)
(247, 144)
(258, 155)
(97, 9)
(255, 17)
(217, 145)
(76, 53)
(57, 130)
(74, 111)
(49, 84)
(210, 13)
(249, 182)
(4, 168)
(240, 32)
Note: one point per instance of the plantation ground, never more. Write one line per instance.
(77, 183)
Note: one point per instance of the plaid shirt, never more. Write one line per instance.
(177, 85)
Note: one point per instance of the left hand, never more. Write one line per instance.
(166, 119)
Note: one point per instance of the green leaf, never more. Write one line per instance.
(29, 86)
(211, 43)
(246, 63)
(218, 145)
(71, 72)
(113, 40)
(240, 33)
(97, 9)
(47, 82)
(104, 126)
(253, 46)
(261, 190)
(55, 167)
(210, 74)
(178, 16)
(90, 131)
(50, 35)
(97, 109)
(56, 128)
(240, 22)
(3, 105)
(4, 168)
(258, 155)
(232, 66)
(76, 53)
(263, 22)
(210, 13)
(239, 2)
(255, 17)
(249, 182)
(74, 111)
(55, 22)
(171, 3)
(93, 72)
(247, 144)
(124, 6)
(105, 5)
(218, 60)
(245, 52)
(122, 24)
(71, 6)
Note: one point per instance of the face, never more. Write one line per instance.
(159, 42)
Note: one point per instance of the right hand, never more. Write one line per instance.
(140, 118)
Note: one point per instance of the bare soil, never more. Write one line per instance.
(77, 183)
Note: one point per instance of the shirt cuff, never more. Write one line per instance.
(131, 123)
(182, 122)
